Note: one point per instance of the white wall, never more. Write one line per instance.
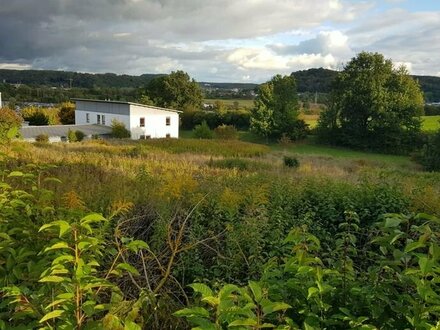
(155, 122)
(81, 118)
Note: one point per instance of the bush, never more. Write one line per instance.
(38, 118)
(290, 161)
(42, 138)
(238, 118)
(202, 131)
(67, 113)
(79, 135)
(430, 154)
(226, 132)
(119, 131)
(71, 136)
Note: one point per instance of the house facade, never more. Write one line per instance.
(143, 121)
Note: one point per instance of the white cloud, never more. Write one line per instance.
(15, 66)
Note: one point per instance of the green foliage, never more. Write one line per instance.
(226, 132)
(119, 131)
(79, 135)
(290, 161)
(237, 118)
(395, 289)
(432, 110)
(235, 308)
(36, 117)
(10, 122)
(51, 274)
(71, 136)
(176, 90)
(67, 113)
(203, 131)
(42, 138)
(276, 110)
(373, 106)
(430, 154)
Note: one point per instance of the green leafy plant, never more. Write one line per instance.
(290, 161)
(235, 308)
(119, 131)
(203, 131)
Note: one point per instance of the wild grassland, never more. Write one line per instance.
(239, 198)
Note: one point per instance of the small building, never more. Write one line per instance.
(59, 133)
(143, 121)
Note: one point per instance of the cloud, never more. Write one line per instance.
(325, 43)
(221, 40)
(15, 66)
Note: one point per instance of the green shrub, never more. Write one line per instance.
(430, 153)
(202, 131)
(119, 131)
(71, 136)
(290, 161)
(42, 138)
(226, 132)
(38, 118)
(79, 135)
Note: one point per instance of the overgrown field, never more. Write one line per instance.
(213, 212)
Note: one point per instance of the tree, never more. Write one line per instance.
(67, 113)
(10, 122)
(176, 90)
(276, 109)
(373, 106)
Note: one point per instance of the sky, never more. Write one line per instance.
(217, 41)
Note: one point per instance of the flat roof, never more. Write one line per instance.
(29, 132)
(128, 103)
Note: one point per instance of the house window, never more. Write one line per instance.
(168, 121)
(142, 137)
(142, 122)
(98, 119)
(168, 136)
(87, 118)
(103, 119)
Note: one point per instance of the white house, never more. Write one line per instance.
(143, 121)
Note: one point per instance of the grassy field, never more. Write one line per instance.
(230, 102)
(311, 150)
(431, 123)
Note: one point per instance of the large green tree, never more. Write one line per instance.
(276, 109)
(373, 105)
(176, 90)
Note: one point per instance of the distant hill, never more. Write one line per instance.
(320, 80)
(312, 80)
(66, 79)
(51, 78)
